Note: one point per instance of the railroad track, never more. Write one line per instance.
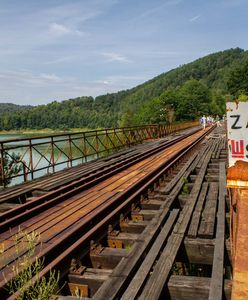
(153, 190)
(90, 178)
(13, 197)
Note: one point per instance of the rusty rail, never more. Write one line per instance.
(103, 215)
(36, 156)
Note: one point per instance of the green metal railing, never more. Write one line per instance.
(34, 157)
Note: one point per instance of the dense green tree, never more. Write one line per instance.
(195, 100)
(238, 80)
(171, 102)
(218, 104)
(150, 113)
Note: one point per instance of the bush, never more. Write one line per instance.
(24, 271)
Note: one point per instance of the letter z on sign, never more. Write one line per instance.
(237, 131)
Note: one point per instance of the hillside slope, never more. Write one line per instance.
(111, 110)
(211, 70)
(10, 107)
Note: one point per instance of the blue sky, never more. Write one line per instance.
(59, 49)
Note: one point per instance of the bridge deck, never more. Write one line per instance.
(61, 218)
(12, 196)
(173, 241)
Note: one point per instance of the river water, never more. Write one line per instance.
(38, 162)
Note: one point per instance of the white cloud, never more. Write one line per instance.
(78, 32)
(111, 56)
(51, 77)
(106, 82)
(26, 87)
(41, 87)
(195, 18)
(60, 60)
(163, 53)
(59, 29)
(158, 8)
(121, 82)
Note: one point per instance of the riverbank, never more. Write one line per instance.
(46, 131)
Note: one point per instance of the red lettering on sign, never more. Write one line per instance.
(238, 149)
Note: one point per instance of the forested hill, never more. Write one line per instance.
(180, 94)
(9, 107)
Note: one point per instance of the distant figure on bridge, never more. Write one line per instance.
(203, 121)
(210, 120)
(218, 121)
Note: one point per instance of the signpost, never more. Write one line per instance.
(237, 182)
(237, 129)
(237, 134)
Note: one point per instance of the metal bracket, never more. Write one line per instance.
(78, 271)
(79, 290)
(115, 244)
(137, 217)
(96, 249)
(75, 265)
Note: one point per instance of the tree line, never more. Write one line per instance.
(183, 93)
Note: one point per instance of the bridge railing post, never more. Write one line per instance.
(52, 155)
(2, 165)
(70, 150)
(31, 163)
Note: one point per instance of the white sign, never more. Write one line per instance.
(237, 131)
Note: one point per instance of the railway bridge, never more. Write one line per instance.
(143, 215)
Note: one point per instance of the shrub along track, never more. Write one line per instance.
(70, 219)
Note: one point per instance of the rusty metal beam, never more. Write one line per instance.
(91, 140)
(240, 246)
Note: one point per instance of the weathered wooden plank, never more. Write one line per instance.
(93, 278)
(58, 297)
(192, 232)
(147, 214)
(151, 204)
(146, 266)
(192, 166)
(201, 251)
(174, 181)
(192, 287)
(122, 239)
(221, 147)
(156, 282)
(198, 250)
(216, 286)
(208, 217)
(111, 288)
(7, 206)
(133, 227)
(108, 258)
